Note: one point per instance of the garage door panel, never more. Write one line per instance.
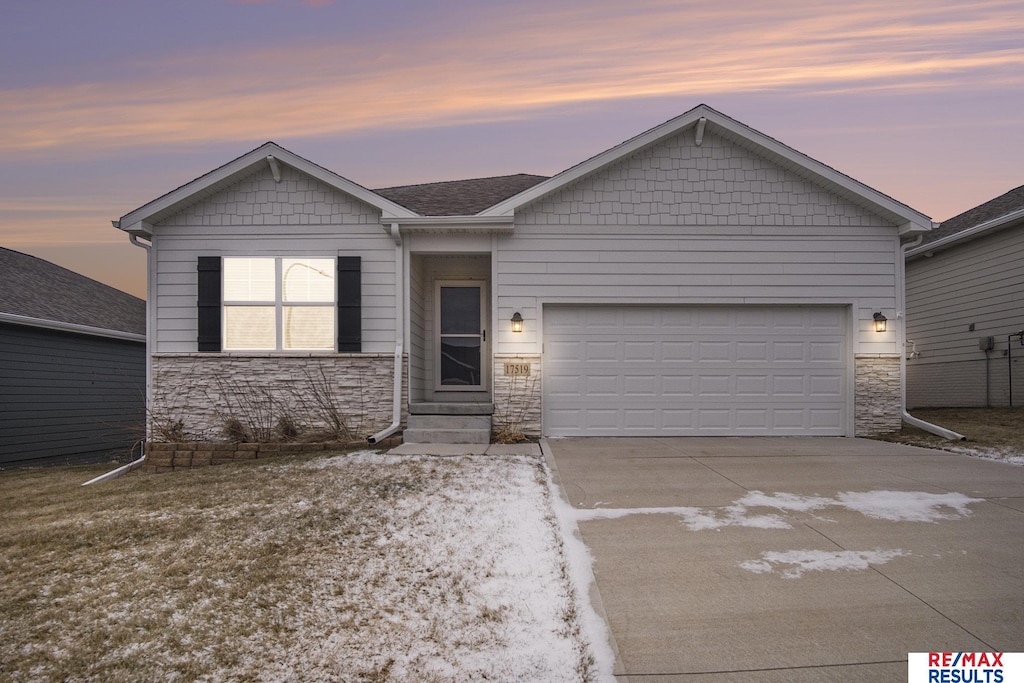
(694, 370)
(677, 351)
(752, 385)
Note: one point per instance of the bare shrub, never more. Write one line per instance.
(249, 410)
(509, 422)
(320, 400)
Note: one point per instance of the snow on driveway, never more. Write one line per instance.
(894, 506)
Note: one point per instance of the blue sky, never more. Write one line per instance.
(107, 104)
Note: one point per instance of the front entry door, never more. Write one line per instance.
(460, 336)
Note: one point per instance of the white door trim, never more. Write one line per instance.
(481, 285)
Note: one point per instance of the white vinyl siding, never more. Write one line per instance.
(679, 224)
(694, 370)
(297, 218)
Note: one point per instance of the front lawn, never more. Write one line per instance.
(359, 567)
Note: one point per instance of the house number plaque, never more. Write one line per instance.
(517, 369)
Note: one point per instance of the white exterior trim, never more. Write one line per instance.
(29, 321)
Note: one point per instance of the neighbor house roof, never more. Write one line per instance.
(459, 197)
(42, 294)
(1004, 210)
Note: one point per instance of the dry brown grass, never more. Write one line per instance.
(302, 569)
(995, 430)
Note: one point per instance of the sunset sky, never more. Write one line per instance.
(108, 104)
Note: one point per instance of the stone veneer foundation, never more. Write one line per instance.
(204, 391)
(517, 398)
(877, 394)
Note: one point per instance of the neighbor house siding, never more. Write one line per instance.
(678, 223)
(68, 397)
(980, 283)
(257, 216)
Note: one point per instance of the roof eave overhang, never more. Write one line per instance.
(449, 224)
(978, 230)
(75, 328)
(908, 220)
(140, 220)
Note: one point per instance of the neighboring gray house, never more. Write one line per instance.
(701, 278)
(965, 298)
(72, 365)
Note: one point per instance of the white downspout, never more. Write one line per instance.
(125, 469)
(902, 294)
(396, 413)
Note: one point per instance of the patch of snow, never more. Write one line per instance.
(819, 560)
(907, 506)
(696, 519)
(580, 562)
(1006, 454)
(896, 506)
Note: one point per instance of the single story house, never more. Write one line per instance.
(965, 309)
(72, 365)
(700, 278)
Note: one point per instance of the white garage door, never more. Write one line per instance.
(695, 370)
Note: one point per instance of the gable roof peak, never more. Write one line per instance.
(140, 220)
(705, 118)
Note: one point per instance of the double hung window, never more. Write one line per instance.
(279, 304)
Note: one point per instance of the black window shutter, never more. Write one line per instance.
(350, 314)
(208, 309)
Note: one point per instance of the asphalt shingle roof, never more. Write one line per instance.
(459, 197)
(994, 208)
(35, 288)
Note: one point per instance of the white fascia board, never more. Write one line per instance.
(485, 224)
(29, 321)
(133, 220)
(910, 221)
(969, 233)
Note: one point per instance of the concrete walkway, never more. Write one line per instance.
(452, 449)
(835, 581)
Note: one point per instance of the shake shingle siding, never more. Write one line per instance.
(67, 397)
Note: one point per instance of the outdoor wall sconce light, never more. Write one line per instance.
(517, 322)
(879, 322)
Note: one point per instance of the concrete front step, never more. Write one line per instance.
(451, 408)
(433, 436)
(450, 422)
(456, 428)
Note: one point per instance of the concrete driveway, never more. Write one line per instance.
(792, 559)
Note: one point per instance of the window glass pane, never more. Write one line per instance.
(249, 328)
(307, 279)
(460, 310)
(308, 327)
(249, 279)
(460, 361)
